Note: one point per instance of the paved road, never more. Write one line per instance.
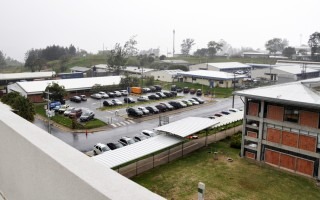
(84, 142)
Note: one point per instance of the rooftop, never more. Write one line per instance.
(175, 61)
(294, 69)
(137, 69)
(301, 92)
(207, 74)
(27, 75)
(227, 65)
(80, 69)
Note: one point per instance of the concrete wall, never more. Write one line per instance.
(224, 84)
(162, 76)
(36, 165)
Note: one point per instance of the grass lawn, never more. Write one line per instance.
(66, 121)
(239, 179)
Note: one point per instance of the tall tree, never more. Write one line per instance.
(117, 58)
(2, 60)
(128, 81)
(314, 44)
(56, 92)
(186, 46)
(289, 52)
(130, 46)
(201, 52)
(276, 44)
(72, 50)
(213, 48)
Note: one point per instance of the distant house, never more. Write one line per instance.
(230, 67)
(100, 70)
(138, 71)
(166, 75)
(212, 78)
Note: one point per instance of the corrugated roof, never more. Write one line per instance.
(81, 69)
(27, 75)
(69, 84)
(294, 92)
(294, 69)
(137, 150)
(137, 70)
(187, 126)
(227, 119)
(226, 65)
(207, 74)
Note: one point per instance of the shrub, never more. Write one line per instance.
(236, 140)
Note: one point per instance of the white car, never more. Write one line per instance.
(63, 108)
(68, 111)
(144, 110)
(194, 102)
(148, 133)
(104, 95)
(143, 98)
(117, 93)
(116, 102)
(100, 148)
(96, 96)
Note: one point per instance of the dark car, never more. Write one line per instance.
(173, 88)
(192, 91)
(75, 113)
(225, 112)
(152, 109)
(154, 97)
(134, 112)
(129, 100)
(111, 94)
(108, 103)
(161, 108)
(161, 95)
(218, 115)
(114, 145)
(86, 116)
(186, 90)
(139, 138)
(198, 100)
(168, 106)
(152, 88)
(174, 93)
(146, 90)
(199, 92)
(126, 141)
(175, 104)
(158, 88)
(179, 89)
(168, 94)
(75, 99)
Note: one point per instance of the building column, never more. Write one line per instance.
(260, 133)
(319, 171)
(244, 125)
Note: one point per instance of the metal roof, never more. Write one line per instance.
(27, 75)
(294, 69)
(227, 65)
(227, 119)
(175, 61)
(35, 87)
(137, 150)
(137, 70)
(207, 74)
(187, 126)
(299, 92)
(80, 69)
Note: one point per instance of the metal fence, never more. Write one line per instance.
(173, 153)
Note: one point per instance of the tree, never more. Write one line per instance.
(162, 57)
(149, 80)
(130, 46)
(57, 92)
(213, 48)
(2, 60)
(276, 44)
(34, 60)
(145, 60)
(72, 50)
(181, 67)
(314, 44)
(117, 58)
(186, 46)
(201, 52)
(128, 81)
(289, 52)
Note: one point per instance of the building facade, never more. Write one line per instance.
(281, 126)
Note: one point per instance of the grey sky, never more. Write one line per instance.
(88, 24)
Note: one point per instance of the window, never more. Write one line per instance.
(291, 114)
(220, 82)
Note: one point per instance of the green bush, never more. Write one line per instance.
(236, 140)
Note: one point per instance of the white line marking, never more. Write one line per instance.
(131, 121)
(114, 125)
(123, 123)
(126, 122)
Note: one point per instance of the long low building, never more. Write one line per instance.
(34, 89)
(212, 78)
(26, 76)
(230, 67)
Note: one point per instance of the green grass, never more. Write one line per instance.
(67, 122)
(239, 179)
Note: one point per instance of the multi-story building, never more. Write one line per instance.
(281, 126)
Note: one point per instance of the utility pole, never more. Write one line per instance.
(234, 88)
(174, 32)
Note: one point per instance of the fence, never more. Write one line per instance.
(173, 153)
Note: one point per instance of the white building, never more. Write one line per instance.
(138, 71)
(211, 78)
(223, 67)
(13, 77)
(166, 75)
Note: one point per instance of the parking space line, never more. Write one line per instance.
(115, 126)
(126, 122)
(131, 121)
(123, 123)
(118, 124)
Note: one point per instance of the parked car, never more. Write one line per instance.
(211, 117)
(187, 102)
(134, 112)
(218, 115)
(174, 93)
(168, 94)
(198, 99)
(175, 104)
(116, 102)
(161, 108)
(139, 138)
(154, 97)
(75, 113)
(182, 104)
(96, 96)
(152, 88)
(107, 103)
(143, 98)
(129, 100)
(148, 133)
(233, 110)
(56, 109)
(54, 104)
(86, 116)
(168, 106)
(124, 92)
(161, 95)
(199, 92)
(100, 148)
(194, 102)
(152, 109)
(192, 91)
(146, 90)
(158, 88)
(186, 90)
(173, 88)
(117, 93)
(225, 112)
(179, 89)
(114, 145)
(83, 97)
(104, 95)
(68, 111)
(111, 94)
(144, 110)
(126, 141)
(75, 99)
(63, 108)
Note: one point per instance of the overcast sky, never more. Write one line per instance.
(88, 24)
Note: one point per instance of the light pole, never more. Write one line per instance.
(234, 88)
